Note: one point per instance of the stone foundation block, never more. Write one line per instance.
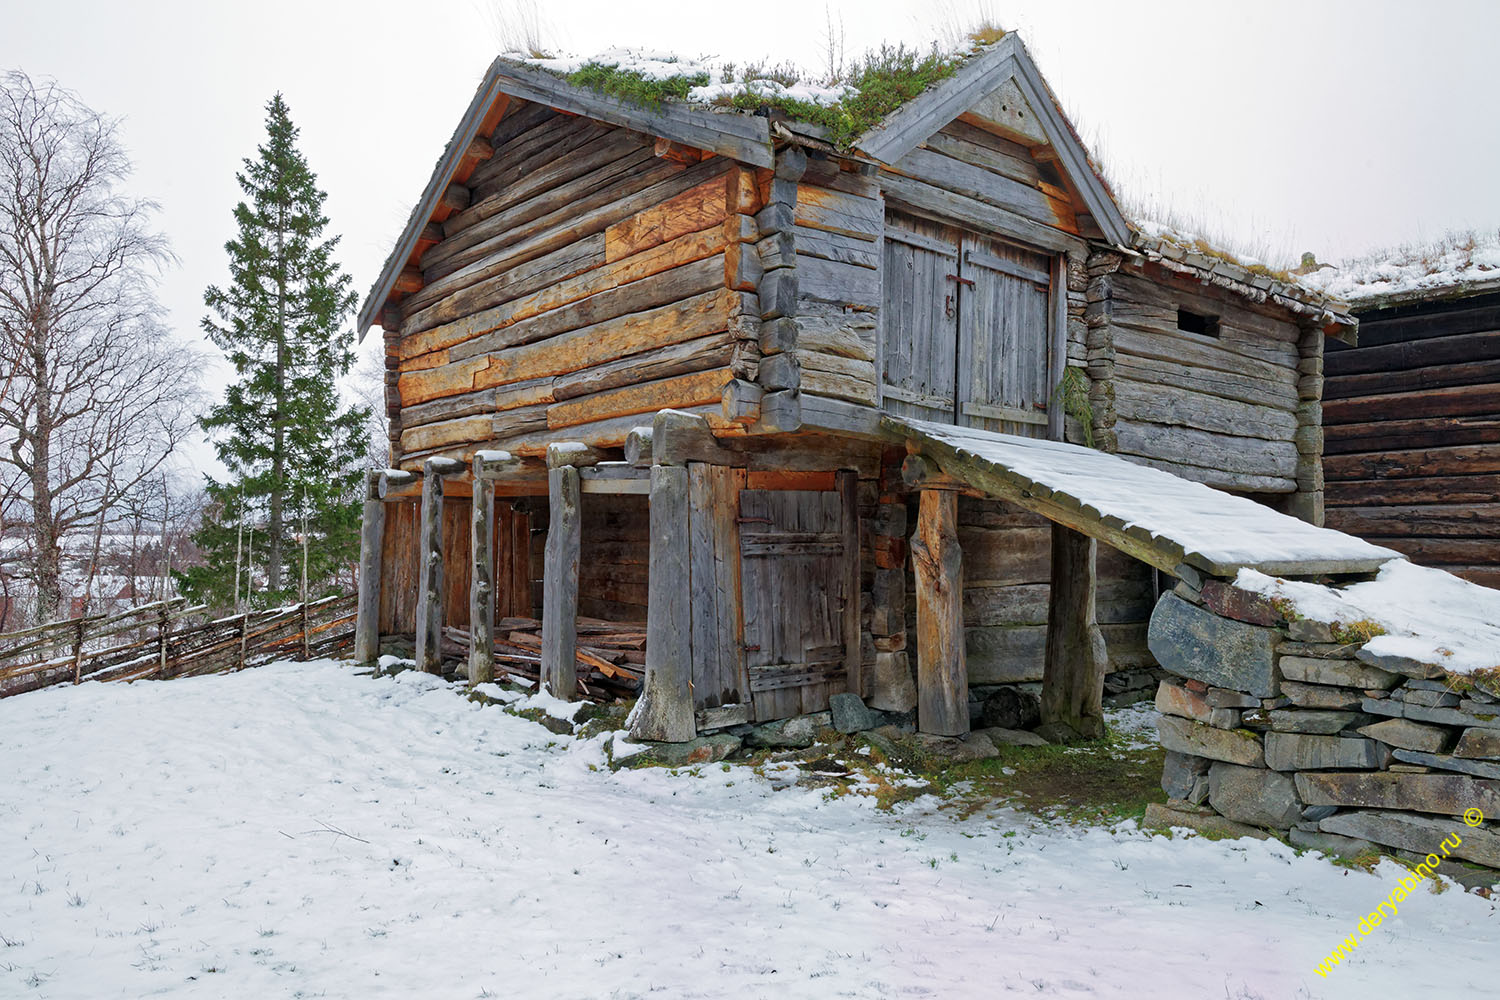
(1303, 752)
(1444, 794)
(1419, 834)
(1184, 776)
(1478, 768)
(1340, 673)
(1330, 843)
(1317, 721)
(1403, 665)
(893, 688)
(1225, 698)
(1479, 744)
(1172, 699)
(1160, 817)
(1409, 735)
(1322, 696)
(1254, 795)
(1236, 746)
(1193, 642)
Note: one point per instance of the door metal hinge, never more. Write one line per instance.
(961, 280)
(752, 520)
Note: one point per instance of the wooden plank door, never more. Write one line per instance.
(919, 319)
(1003, 337)
(799, 568)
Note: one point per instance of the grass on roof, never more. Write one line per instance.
(632, 86)
(883, 80)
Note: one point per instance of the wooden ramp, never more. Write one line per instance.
(1152, 515)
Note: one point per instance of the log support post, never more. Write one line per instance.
(665, 710)
(1076, 659)
(942, 674)
(1307, 502)
(371, 540)
(430, 565)
(488, 466)
(560, 574)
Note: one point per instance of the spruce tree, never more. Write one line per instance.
(290, 448)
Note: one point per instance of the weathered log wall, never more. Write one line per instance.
(1007, 568)
(588, 281)
(1412, 434)
(1218, 409)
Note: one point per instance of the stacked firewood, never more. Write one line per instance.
(611, 656)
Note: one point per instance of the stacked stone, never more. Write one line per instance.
(1275, 722)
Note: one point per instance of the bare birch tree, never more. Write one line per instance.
(99, 395)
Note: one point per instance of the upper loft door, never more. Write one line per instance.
(919, 319)
(1003, 337)
(965, 323)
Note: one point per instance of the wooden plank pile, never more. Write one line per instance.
(611, 656)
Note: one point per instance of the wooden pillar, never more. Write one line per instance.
(560, 585)
(371, 539)
(942, 674)
(430, 566)
(665, 711)
(482, 582)
(1073, 684)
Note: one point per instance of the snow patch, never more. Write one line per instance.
(1429, 615)
(1457, 260)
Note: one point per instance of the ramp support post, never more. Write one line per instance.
(1073, 681)
(942, 674)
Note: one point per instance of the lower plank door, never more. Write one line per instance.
(799, 554)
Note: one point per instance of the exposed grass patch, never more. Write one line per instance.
(1361, 631)
(1073, 396)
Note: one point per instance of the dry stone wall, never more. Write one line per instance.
(1276, 722)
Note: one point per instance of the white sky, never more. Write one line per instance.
(1334, 127)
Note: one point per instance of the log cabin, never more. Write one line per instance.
(691, 366)
(1412, 420)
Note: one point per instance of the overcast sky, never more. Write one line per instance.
(1332, 127)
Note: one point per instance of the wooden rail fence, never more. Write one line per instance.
(171, 639)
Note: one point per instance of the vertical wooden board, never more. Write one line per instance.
(522, 603)
(456, 561)
(399, 561)
(848, 490)
(918, 318)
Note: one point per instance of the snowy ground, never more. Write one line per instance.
(300, 831)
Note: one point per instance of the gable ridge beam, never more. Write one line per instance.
(1070, 151)
(907, 126)
(741, 137)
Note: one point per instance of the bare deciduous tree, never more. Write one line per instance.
(97, 394)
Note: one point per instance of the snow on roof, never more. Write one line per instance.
(657, 64)
(1216, 527)
(1455, 263)
(1429, 615)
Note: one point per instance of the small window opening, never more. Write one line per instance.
(1191, 322)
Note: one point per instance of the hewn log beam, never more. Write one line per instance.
(393, 481)
(1073, 682)
(665, 711)
(942, 674)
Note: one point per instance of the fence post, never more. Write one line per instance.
(244, 634)
(78, 648)
(306, 650)
(161, 636)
